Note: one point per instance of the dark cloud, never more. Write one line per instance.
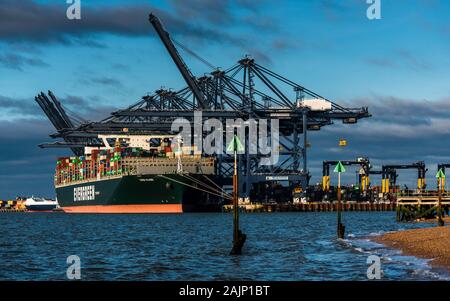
(18, 106)
(47, 23)
(16, 109)
(283, 44)
(406, 112)
(413, 61)
(44, 23)
(338, 10)
(88, 108)
(120, 66)
(381, 62)
(261, 22)
(18, 62)
(107, 81)
(401, 58)
(381, 144)
(28, 20)
(25, 169)
(89, 43)
(75, 102)
(15, 46)
(260, 56)
(218, 11)
(223, 13)
(196, 22)
(213, 18)
(400, 131)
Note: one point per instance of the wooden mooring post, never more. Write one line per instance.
(238, 237)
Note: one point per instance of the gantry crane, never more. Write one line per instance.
(246, 90)
(389, 175)
(364, 180)
(380, 172)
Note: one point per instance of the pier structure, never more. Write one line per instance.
(313, 207)
(12, 206)
(411, 205)
(421, 204)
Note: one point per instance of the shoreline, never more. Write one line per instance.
(426, 243)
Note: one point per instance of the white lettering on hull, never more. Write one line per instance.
(84, 193)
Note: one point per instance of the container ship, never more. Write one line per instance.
(136, 175)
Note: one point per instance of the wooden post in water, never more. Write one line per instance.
(238, 237)
(441, 177)
(398, 212)
(235, 202)
(340, 227)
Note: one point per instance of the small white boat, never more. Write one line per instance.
(40, 204)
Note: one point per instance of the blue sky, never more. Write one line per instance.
(398, 66)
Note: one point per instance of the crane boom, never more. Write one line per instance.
(178, 60)
(60, 109)
(58, 117)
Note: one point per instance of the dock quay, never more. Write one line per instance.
(312, 207)
(12, 210)
(416, 206)
(12, 206)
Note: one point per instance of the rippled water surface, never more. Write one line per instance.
(280, 246)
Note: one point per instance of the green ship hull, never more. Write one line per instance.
(135, 194)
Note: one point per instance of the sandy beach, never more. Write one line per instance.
(429, 243)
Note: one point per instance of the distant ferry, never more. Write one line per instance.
(40, 204)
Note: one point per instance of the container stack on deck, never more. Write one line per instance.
(112, 162)
(98, 164)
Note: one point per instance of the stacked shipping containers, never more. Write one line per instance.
(108, 162)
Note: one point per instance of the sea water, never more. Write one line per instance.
(196, 246)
